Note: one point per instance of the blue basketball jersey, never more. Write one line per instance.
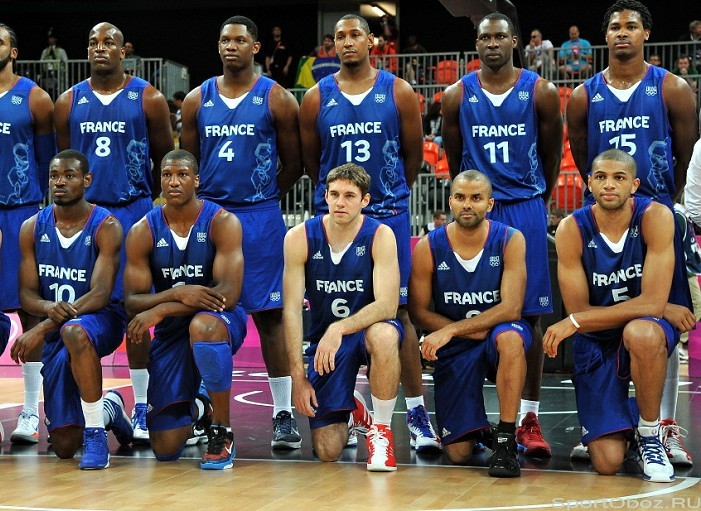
(639, 126)
(502, 141)
(65, 273)
(238, 147)
(20, 183)
(115, 139)
(336, 291)
(171, 266)
(368, 135)
(459, 293)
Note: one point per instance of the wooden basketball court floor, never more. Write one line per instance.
(33, 478)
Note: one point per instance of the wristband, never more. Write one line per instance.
(574, 321)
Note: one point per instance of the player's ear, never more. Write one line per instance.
(87, 180)
(366, 200)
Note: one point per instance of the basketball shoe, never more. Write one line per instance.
(198, 433)
(672, 435)
(504, 462)
(119, 422)
(285, 432)
(96, 454)
(138, 424)
(653, 459)
(27, 430)
(220, 451)
(361, 419)
(530, 437)
(380, 444)
(423, 437)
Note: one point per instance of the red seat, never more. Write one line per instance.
(472, 66)
(432, 153)
(568, 191)
(446, 72)
(442, 170)
(422, 102)
(565, 93)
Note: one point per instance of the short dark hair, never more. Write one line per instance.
(619, 156)
(72, 154)
(350, 172)
(362, 21)
(498, 16)
(470, 176)
(328, 36)
(182, 154)
(251, 27)
(438, 213)
(628, 5)
(180, 95)
(13, 36)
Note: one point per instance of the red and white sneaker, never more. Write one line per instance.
(530, 437)
(361, 419)
(380, 444)
(672, 434)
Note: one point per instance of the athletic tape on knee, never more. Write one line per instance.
(215, 364)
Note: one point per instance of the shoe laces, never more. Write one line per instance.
(419, 418)
(217, 440)
(532, 428)
(672, 435)
(283, 422)
(140, 416)
(91, 443)
(378, 437)
(651, 449)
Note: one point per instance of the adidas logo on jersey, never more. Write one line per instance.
(592, 244)
(333, 102)
(445, 432)
(208, 104)
(318, 255)
(83, 100)
(597, 97)
(161, 243)
(473, 99)
(443, 266)
(45, 238)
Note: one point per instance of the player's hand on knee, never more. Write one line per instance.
(201, 297)
(680, 317)
(433, 342)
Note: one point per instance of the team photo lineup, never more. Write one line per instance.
(117, 226)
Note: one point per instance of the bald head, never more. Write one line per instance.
(112, 30)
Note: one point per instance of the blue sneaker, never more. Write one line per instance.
(138, 424)
(119, 422)
(220, 451)
(96, 454)
(423, 437)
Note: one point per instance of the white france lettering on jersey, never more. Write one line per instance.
(228, 130)
(355, 128)
(500, 130)
(59, 272)
(340, 286)
(615, 277)
(103, 127)
(5, 128)
(472, 298)
(186, 270)
(624, 123)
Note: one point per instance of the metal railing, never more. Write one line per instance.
(56, 76)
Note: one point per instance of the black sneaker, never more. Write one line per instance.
(200, 427)
(504, 462)
(285, 433)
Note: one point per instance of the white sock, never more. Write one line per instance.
(92, 412)
(646, 428)
(528, 406)
(31, 374)
(139, 382)
(413, 402)
(383, 410)
(281, 389)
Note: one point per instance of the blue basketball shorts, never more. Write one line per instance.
(531, 218)
(5, 327)
(459, 374)
(401, 226)
(601, 378)
(10, 224)
(334, 391)
(263, 236)
(173, 375)
(105, 329)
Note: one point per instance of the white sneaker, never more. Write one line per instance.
(27, 430)
(138, 424)
(672, 435)
(580, 452)
(352, 439)
(380, 444)
(422, 436)
(653, 459)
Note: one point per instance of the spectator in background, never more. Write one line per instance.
(693, 38)
(132, 62)
(53, 77)
(380, 55)
(439, 219)
(684, 69)
(389, 30)
(327, 48)
(278, 58)
(178, 98)
(575, 56)
(326, 62)
(654, 60)
(413, 71)
(539, 54)
(433, 123)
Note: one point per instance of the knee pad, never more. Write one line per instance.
(170, 457)
(215, 364)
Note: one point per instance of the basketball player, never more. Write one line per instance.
(476, 269)
(371, 118)
(238, 125)
(506, 122)
(347, 263)
(27, 144)
(70, 256)
(615, 265)
(649, 113)
(189, 251)
(121, 123)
